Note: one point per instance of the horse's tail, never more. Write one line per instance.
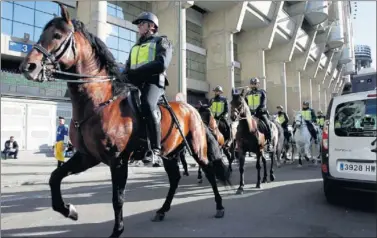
(214, 156)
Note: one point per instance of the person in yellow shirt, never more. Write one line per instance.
(61, 139)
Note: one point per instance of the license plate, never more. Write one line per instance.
(358, 168)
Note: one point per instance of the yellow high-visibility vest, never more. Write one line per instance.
(143, 54)
(281, 119)
(321, 121)
(306, 115)
(217, 107)
(253, 101)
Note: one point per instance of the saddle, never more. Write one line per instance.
(134, 100)
(261, 125)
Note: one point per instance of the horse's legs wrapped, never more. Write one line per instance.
(77, 164)
(172, 169)
(119, 175)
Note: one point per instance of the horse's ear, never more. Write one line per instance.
(65, 14)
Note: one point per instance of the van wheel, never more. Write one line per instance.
(330, 192)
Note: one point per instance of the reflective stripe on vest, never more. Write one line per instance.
(306, 115)
(281, 119)
(321, 121)
(217, 108)
(253, 100)
(143, 54)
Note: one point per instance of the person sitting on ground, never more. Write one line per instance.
(10, 148)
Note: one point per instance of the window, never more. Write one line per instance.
(194, 34)
(19, 17)
(235, 52)
(237, 77)
(356, 118)
(196, 66)
(120, 42)
(127, 10)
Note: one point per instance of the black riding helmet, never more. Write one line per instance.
(146, 16)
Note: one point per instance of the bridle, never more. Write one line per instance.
(52, 59)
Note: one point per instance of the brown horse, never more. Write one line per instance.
(248, 138)
(104, 123)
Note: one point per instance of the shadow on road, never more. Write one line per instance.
(291, 206)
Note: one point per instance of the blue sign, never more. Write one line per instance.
(20, 47)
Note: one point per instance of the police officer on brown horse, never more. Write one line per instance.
(146, 69)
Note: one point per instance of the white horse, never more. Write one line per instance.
(303, 140)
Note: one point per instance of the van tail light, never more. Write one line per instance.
(325, 136)
(372, 95)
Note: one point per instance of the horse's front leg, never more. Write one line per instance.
(200, 176)
(119, 175)
(227, 152)
(259, 155)
(184, 163)
(272, 158)
(264, 180)
(77, 164)
(241, 160)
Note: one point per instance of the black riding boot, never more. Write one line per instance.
(154, 130)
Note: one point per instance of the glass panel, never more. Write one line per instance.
(6, 10)
(114, 29)
(124, 33)
(6, 27)
(120, 14)
(133, 36)
(111, 11)
(123, 56)
(112, 42)
(41, 18)
(37, 33)
(49, 7)
(124, 45)
(356, 118)
(115, 53)
(23, 14)
(26, 3)
(19, 30)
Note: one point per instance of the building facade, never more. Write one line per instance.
(301, 50)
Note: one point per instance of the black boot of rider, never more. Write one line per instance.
(154, 130)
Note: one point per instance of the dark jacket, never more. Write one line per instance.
(7, 145)
(153, 72)
(220, 99)
(262, 103)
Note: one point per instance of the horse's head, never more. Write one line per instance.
(238, 105)
(54, 50)
(205, 113)
(299, 121)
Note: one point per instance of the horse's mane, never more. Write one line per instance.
(105, 58)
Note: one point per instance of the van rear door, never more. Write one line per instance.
(352, 131)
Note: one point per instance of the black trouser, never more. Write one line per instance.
(263, 116)
(150, 95)
(7, 153)
(311, 129)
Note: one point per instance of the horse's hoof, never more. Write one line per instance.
(258, 186)
(307, 158)
(220, 213)
(239, 191)
(186, 174)
(299, 166)
(272, 177)
(158, 217)
(200, 181)
(264, 180)
(116, 233)
(72, 213)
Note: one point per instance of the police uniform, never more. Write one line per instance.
(309, 116)
(256, 100)
(321, 121)
(146, 68)
(219, 109)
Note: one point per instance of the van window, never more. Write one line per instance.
(356, 118)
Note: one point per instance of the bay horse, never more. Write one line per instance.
(106, 127)
(250, 137)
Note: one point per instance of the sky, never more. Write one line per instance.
(364, 26)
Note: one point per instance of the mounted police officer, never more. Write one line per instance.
(219, 108)
(257, 99)
(320, 119)
(309, 116)
(283, 120)
(146, 69)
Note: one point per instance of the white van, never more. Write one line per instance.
(349, 144)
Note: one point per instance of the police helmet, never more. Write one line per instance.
(218, 89)
(305, 103)
(254, 80)
(280, 107)
(146, 16)
(320, 112)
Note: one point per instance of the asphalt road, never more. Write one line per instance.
(293, 205)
